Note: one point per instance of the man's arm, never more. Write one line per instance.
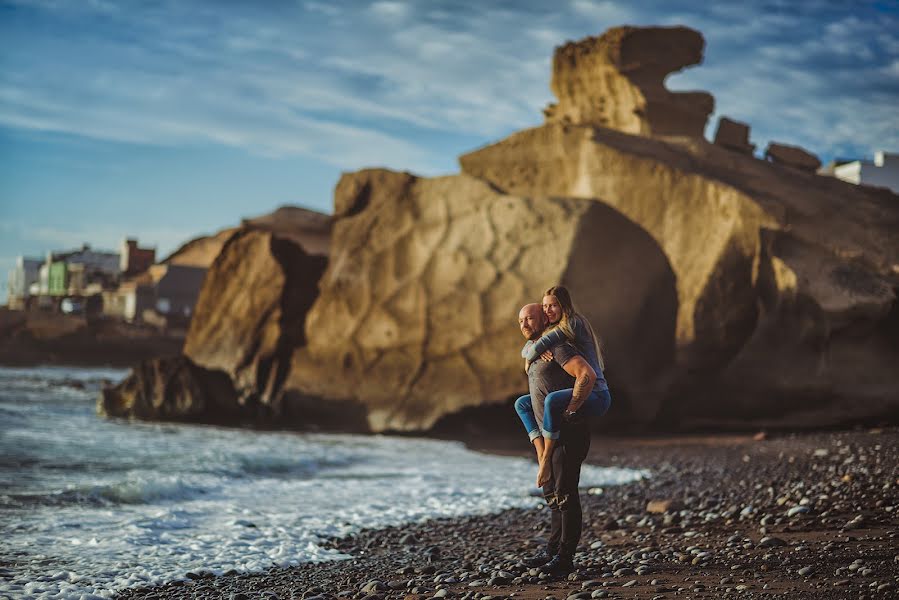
(584, 380)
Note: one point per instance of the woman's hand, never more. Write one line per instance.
(543, 473)
(547, 356)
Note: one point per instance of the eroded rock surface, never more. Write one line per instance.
(246, 324)
(617, 81)
(250, 313)
(418, 307)
(778, 271)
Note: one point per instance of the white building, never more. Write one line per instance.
(21, 279)
(883, 171)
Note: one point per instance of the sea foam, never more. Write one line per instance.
(91, 506)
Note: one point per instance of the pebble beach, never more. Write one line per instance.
(810, 515)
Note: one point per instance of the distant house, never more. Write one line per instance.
(883, 171)
(22, 282)
(78, 272)
(134, 259)
(163, 293)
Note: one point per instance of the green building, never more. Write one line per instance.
(58, 279)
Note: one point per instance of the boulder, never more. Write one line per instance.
(733, 135)
(617, 81)
(417, 315)
(249, 316)
(792, 156)
(246, 324)
(173, 389)
(778, 271)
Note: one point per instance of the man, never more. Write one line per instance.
(560, 460)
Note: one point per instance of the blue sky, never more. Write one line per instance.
(169, 119)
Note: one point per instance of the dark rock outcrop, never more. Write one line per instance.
(733, 135)
(174, 389)
(792, 156)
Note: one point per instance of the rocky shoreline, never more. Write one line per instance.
(35, 338)
(793, 515)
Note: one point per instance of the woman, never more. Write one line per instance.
(565, 323)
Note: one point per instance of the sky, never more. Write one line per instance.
(170, 119)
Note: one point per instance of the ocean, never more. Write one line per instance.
(89, 506)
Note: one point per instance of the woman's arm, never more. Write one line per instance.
(546, 342)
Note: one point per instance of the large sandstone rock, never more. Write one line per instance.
(778, 271)
(246, 323)
(617, 81)
(417, 316)
(249, 316)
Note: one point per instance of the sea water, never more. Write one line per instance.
(91, 505)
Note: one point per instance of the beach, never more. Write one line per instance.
(805, 515)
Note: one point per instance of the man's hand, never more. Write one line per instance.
(547, 356)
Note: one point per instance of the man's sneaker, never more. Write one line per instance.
(538, 560)
(559, 566)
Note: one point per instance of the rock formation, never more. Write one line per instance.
(246, 323)
(249, 316)
(617, 81)
(173, 389)
(727, 290)
(417, 313)
(747, 279)
(733, 135)
(792, 156)
(778, 271)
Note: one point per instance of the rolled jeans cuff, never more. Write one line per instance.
(553, 435)
(533, 435)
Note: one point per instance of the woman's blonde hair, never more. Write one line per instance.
(563, 296)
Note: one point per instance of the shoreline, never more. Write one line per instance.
(806, 515)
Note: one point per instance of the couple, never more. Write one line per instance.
(564, 365)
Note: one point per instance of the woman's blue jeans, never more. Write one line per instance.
(596, 405)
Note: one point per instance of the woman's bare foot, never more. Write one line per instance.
(543, 473)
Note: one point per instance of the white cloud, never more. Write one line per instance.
(359, 90)
(606, 13)
(390, 11)
(103, 236)
(322, 7)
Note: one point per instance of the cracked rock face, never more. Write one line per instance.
(417, 315)
(617, 81)
(786, 281)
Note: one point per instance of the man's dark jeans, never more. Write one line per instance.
(561, 493)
